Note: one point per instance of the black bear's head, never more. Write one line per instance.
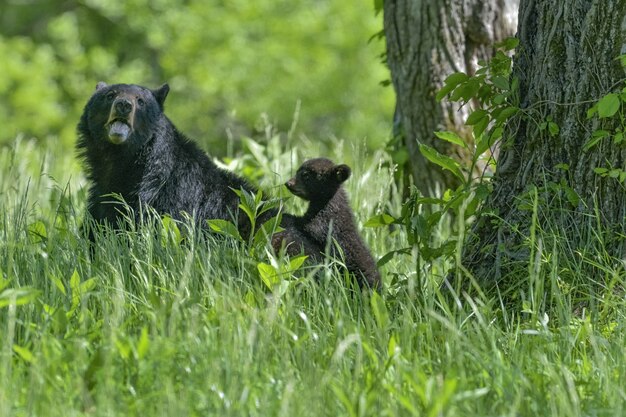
(123, 113)
(318, 179)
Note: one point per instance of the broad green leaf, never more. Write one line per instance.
(608, 105)
(553, 129)
(224, 227)
(59, 284)
(296, 262)
(268, 274)
(475, 117)
(480, 127)
(506, 113)
(87, 286)
(444, 91)
(451, 137)
(450, 83)
(443, 161)
(501, 82)
(379, 220)
(467, 91)
(456, 78)
(24, 353)
(614, 173)
(37, 232)
(170, 226)
(75, 282)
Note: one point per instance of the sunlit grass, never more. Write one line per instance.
(154, 327)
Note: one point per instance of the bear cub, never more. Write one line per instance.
(328, 217)
(130, 148)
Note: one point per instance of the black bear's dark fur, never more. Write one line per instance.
(132, 149)
(328, 217)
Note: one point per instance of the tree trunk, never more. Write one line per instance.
(427, 40)
(565, 62)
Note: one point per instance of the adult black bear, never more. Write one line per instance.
(328, 217)
(132, 149)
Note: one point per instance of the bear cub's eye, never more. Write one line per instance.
(140, 102)
(111, 95)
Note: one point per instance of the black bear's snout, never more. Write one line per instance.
(122, 106)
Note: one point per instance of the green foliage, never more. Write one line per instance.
(492, 95)
(154, 326)
(228, 64)
(609, 108)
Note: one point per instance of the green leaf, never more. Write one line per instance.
(467, 91)
(601, 171)
(224, 227)
(506, 113)
(592, 110)
(608, 105)
(87, 286)
(443, 161)
(443, 91)
(170, 226)
(268, 274)
(75, 283)
(58, 283)
(596, 137)
(614, 173)
(476, 116)
(451, 137)
(450, 83)
(390, 255)
(379, 220)
(456, 78)
(37, 232)
(18, 296)
(24, 353)
(143, 344)
(480, 127)
(553, 129)
(501, 82)
(508, 44)
(296, 262)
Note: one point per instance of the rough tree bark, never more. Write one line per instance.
(427, 40)
(565, 61)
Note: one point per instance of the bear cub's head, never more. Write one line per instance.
(318, 179)
(123, 113)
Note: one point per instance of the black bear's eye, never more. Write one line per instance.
(140, 102)
(111, 95)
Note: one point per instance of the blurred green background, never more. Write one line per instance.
(234, 67)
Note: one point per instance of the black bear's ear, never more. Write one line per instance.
(161, 93)
(100, 85)
(342, 172)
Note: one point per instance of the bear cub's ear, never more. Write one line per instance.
(101, 85)
(342, 172)
(161, 93)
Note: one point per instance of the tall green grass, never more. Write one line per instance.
(150, 326)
